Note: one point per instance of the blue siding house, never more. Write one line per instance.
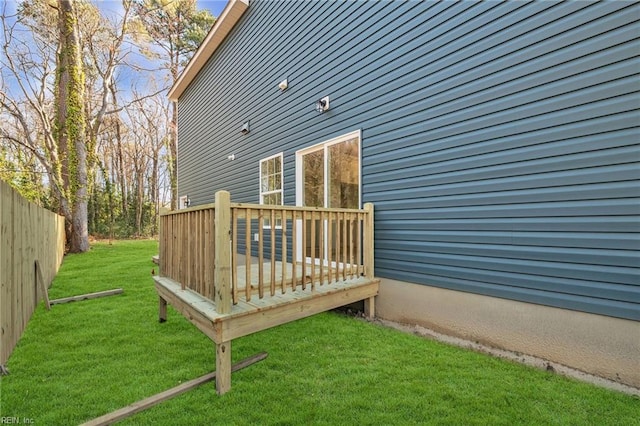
(498, 141)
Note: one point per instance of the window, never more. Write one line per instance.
(271, 184)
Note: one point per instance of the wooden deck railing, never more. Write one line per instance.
(230, 252)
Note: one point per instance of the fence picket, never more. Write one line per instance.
(28, 233)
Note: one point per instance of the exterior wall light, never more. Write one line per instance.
(322, 105)
(184, 202)
(283, 85)
(245, 128)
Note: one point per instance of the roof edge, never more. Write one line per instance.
(230, 15)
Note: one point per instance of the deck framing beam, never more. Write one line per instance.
(224, 328)
(263, 319)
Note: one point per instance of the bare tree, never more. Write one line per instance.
(68, 121)
(176, 28)
(27, 75)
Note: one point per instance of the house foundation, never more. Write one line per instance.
(599, 345)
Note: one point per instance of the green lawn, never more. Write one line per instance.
(84, 359)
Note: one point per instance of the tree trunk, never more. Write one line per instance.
(154, 193)
(120, 153)
(70, 127)
(173, 155)
(139, 203)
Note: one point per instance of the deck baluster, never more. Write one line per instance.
(247, 254)
(283, 221)
(272, 221)
(260, 253)
(202, 279)
(294, 250)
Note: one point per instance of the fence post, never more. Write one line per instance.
(222, 265)
(368, 247)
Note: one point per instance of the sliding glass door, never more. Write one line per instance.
(328, 176)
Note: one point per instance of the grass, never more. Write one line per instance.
(85, 359)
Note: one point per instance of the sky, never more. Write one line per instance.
(112, 9)
(214, 6)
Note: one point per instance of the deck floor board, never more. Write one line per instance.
(207, 307)
(247, 317)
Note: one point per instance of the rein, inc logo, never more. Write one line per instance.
(16, 421)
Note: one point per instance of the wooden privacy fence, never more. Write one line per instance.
(28, 233)
(231, 252)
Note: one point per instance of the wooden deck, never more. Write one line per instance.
(315, 260)
(259, 314)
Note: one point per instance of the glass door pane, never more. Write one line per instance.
(313, 177)
(313, 196)
(343, 188)
(344, 175)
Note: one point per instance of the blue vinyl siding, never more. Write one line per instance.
(500, 141)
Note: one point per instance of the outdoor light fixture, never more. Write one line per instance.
(245, 128)
(283, 85)
(322, 105)
(231, 157)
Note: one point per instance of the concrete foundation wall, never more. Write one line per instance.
(603, 346)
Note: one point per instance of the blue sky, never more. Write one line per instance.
(113, 9)
(214, 6)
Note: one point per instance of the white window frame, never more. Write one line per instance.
(267, 224)
(325, 146)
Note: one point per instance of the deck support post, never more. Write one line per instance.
(368, 257)
(370, 308)
(222, 285)
(222, 264)
(162, 310)
(368, 248)
(223, 367)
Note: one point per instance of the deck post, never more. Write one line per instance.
(162, 246)
(368, 257)
(223, 367)
(162, 309)
(368, 247)
(222, 263)
(370, 308)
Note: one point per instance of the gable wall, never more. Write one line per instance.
(500, 141)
